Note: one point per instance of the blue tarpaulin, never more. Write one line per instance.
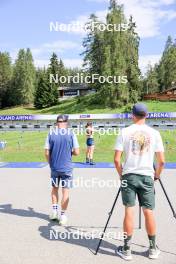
(169, 165)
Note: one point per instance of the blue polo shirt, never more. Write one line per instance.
(61, 143)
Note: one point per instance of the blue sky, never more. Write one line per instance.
(26, 24)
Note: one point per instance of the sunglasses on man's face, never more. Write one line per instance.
(61, 121)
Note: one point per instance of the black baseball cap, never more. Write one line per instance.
(140, 109)
(63, 118)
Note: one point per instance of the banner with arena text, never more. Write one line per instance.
(151, 115)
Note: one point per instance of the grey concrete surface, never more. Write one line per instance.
(28, 237)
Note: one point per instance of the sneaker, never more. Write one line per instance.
(91, 162)
(125, 254)
(154, 253)
(54, 216)
(87, 161)
(63, 219)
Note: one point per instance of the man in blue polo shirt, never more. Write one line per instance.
(60, 145)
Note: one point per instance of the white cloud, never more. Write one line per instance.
(70, 63)
(147, 14)
(77, 26)
(55, 46)
(14, 54)
(154, 2)
(36, 51)
(40, 63)
(60, 45)
(80, 22)
(44, 51)
(167, 2)
(145, 60)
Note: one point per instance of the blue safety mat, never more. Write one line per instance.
(169, 165)
(23, 164)
(97, 165)
(82, 165)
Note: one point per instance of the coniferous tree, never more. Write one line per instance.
(29, 85)
(133, 71)
(113, 5)
(42, 92)
(162, 65)
(163, 75)
(116, 55)
(94, 49)
(152, 84)
(62, 72)
(168, 45)
(47, 92)
(18, 79)
(23, 79)
(117, 42)
(54, 70)
(170, 67)
(5, 78)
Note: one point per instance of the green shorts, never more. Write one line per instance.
(140, 185)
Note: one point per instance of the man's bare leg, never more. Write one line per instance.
(55, 195)
(65, 199)
(128, 226)
(55, 200)
(150, 226)
(64, 205)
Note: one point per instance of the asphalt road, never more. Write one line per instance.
(28, 237)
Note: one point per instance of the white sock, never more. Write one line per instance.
(63, 212)
(55, 207)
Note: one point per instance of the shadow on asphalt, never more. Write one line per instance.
(8, 209)
(81, 239)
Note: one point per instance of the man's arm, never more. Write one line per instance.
(119, 147)
(47, 149)
(160, 159)
(75, 150)
(117, 161)
(47, 155)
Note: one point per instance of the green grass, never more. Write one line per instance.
(156, 106)
(29, 146)
(84, 105)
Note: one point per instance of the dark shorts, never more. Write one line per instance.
(90, 142)
(140, 185)
(57, 179)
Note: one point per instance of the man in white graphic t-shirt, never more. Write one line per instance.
(140, 144)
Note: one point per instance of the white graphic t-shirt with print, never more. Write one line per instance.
(139, 144)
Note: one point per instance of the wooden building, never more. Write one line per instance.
(69, 92)
(167, 95)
